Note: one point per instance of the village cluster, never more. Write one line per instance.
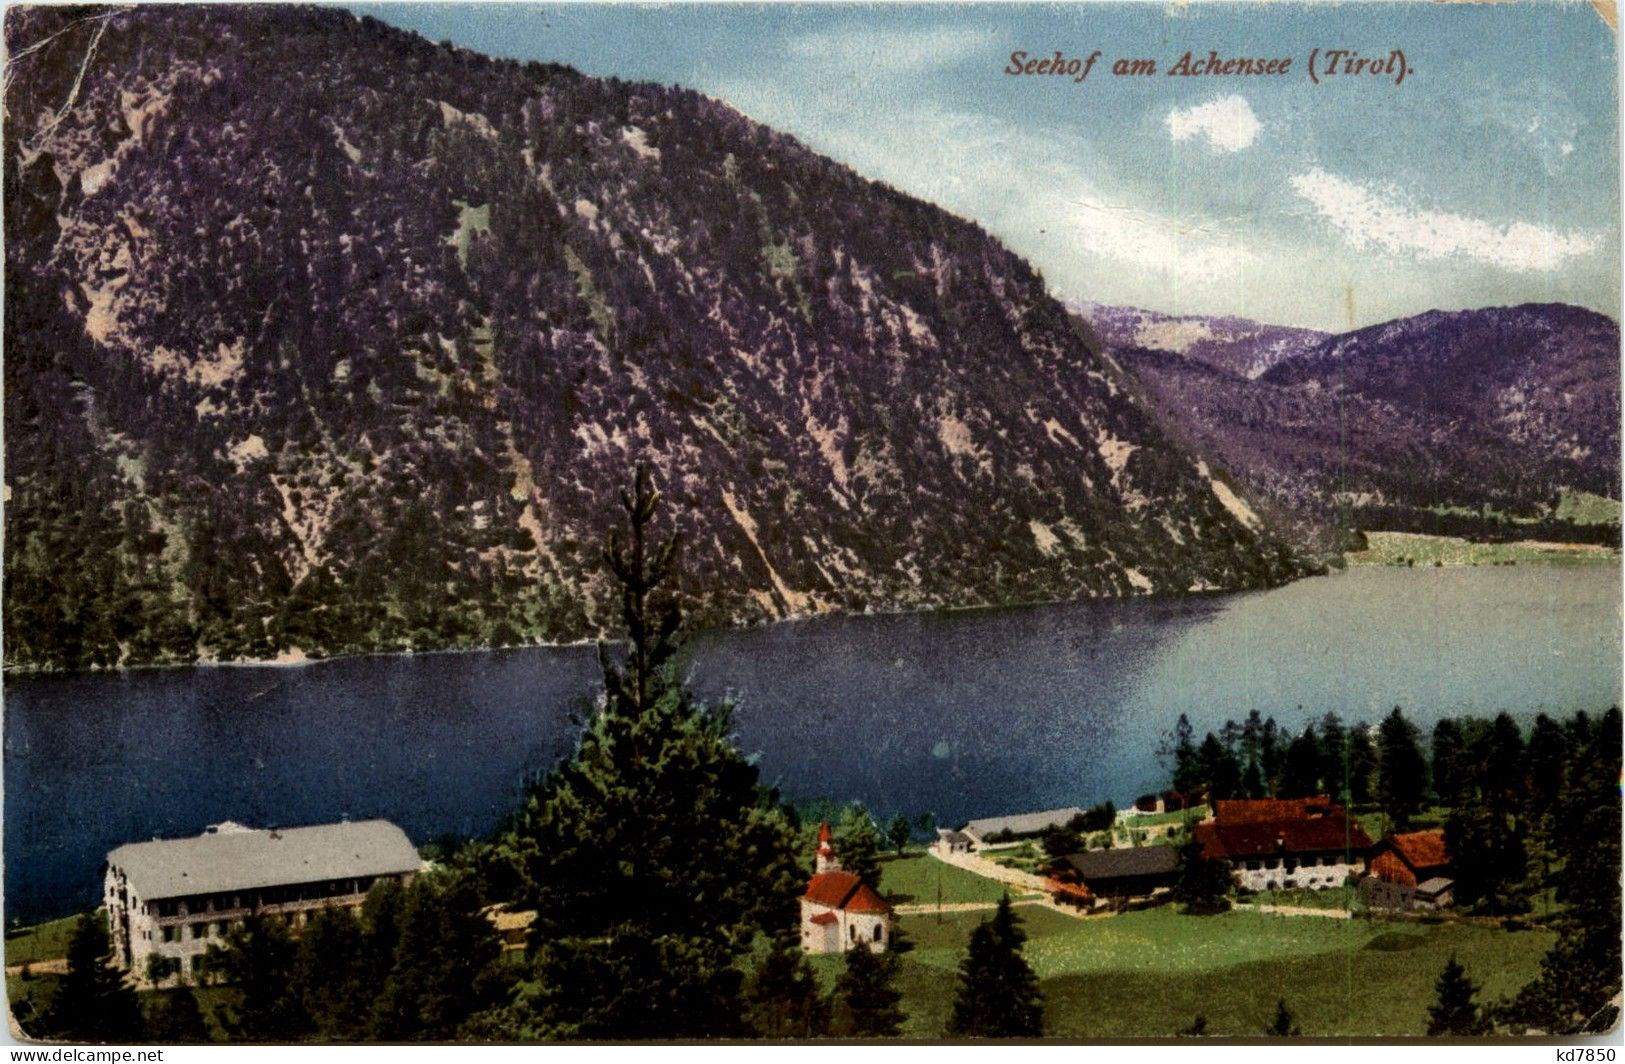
(169, 900)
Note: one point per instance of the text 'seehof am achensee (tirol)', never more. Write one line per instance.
(1319, 66)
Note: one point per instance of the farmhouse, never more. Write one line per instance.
(1410, 871)
(1125, 873)
(1285, 843)
(839, 911)
(951, 842)
(994, 830)
(171, 898)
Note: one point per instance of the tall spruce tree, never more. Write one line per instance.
(867, 1005)
(1333, 755)
(998, 992)
(1548, 757)
(1300, 773)
(1455, 1012)
(93, 1003)
(1503, 774)
(1402, 772)
(1451, 772)
(652, 855)
(1180, 747)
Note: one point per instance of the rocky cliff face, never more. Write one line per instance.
(323, 338)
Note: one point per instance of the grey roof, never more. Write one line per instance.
(1128, 861)
(1022, 823)
(1436, 885)
(952, 837)
(237, 858)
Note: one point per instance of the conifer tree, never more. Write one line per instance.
(998, 992)
(1300, 772)
(1333, 754)
(1361, 764)
(1402, 772)
(381, 930)
(1220, 769)
(1455, 1012)
(93, 1003)
(1450, 769)
(330, 975)
(1284, 1026)
(651, 855)
(1187, 765)
(1548, 757)
(256, 958)
(783, 1000)
(866, 1003)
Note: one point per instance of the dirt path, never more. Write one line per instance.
(53, 966)
(1296, 910)
(960, 907)
(1010, 877)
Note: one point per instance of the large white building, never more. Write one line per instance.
(1285, 843)
(174, 897)
(839, 911)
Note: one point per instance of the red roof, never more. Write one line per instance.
(1421, 850)
(824, 918)
(1268, 810)
(1316, 835)
(824, 834)
(843, 890)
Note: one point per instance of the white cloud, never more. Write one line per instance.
(1228, 123)
(1367, 219)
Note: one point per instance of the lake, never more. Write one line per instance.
(962, 714)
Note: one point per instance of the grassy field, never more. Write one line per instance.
(1584, 508)
(1149, 973)
(41, 942)
(1179, 816)
(1409, 548)
(914, 880)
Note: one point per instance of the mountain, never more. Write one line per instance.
(1235, 345)
(323, 338)
(1484, 422)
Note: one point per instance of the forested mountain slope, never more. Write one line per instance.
(323, 338)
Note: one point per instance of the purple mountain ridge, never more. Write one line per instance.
(1499, 409)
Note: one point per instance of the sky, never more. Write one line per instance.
(1489, 175)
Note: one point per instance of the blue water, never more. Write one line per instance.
(960, 714)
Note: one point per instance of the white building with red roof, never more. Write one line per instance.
(838, 910)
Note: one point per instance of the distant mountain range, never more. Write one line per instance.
(1480, 422)
(324, 338)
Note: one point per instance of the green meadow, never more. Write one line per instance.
(1148, 974)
